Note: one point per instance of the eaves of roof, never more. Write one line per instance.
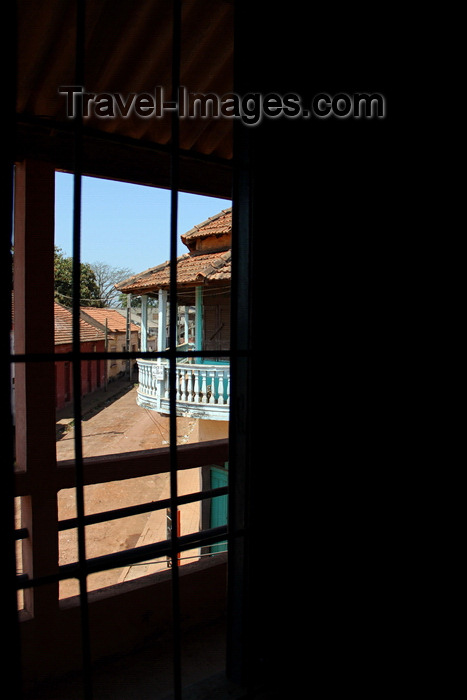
(192, 270)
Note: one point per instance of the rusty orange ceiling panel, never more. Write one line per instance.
(127, 54)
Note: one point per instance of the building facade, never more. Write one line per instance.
(118, 335)
(92, 371)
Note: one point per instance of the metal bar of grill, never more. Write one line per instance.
(76, 348)
(96, 518)
(174, 179)
(139, 509)
(126, 557)
(130, 355)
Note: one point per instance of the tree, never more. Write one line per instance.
(106, 279)
(63, 282)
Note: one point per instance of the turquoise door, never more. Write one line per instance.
(219, 504)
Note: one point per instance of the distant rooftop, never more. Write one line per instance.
(116, 323)
(63, 319)
(218, 225)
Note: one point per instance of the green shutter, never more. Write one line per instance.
(219, 504)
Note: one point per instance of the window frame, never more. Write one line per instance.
(44, 584)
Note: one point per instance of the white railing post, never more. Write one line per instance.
(178, 387)
(196, 390)
(190, 384)
(203, 373)
(220, 390)
(212, 376)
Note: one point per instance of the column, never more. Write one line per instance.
(199, 320)
(162, 327)
(35, 381)
(161, 344)
(144, 323)
(186, 324)
(128, 332)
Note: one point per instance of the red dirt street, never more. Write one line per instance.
(114, 423)
(121, 426)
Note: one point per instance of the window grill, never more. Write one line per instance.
(177, 544)
(340, 180)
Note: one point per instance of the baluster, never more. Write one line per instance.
(148, 380)
(160, 388)
(212, 375)
(181, 383)
(203, 385)
(177, 384)
(183, 397)
(220, 388)
(190, 385)
(228, 387)
(178, 373)
(196, 389)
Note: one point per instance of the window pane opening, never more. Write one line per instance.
(153, 522)
(202, 349)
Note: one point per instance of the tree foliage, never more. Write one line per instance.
(63, 282)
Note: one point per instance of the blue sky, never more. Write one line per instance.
(124, 225)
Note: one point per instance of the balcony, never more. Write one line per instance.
(203, 390)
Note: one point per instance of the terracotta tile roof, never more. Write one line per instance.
(217, 225)
(193, 268)
(63, 318)
(116, 322)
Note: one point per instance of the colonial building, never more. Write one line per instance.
(202, 381)
(92, 339)
(117, 335)
(203, 283)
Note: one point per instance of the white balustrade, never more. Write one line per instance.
(199, 386)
